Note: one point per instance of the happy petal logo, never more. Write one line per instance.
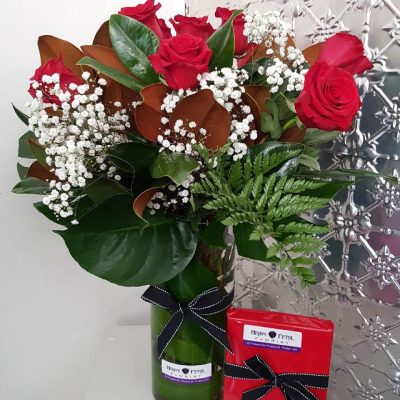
(185, 371)
(272, 335)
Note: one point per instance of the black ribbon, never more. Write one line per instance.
(205, 304)
(294, 386)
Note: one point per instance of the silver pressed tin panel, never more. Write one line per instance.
(359, 273)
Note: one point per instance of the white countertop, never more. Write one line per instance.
(122, 371)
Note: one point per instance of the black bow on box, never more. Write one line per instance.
(210, 302)
(294, 386)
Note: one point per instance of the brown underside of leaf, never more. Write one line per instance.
(50, 47)
(140, 203)
(293, 135)
(148, 115)
(261, 51)
(102, 37)
(202, 109)
(311, 53)
(106, 56)
(260, 94)
(36, 170)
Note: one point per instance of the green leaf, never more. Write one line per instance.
(214, 235)
(133, 43)
(22, 116)
(22, 171)
(31, 186)
(24, 150)
(108, 243)
(124, 79)
(133, 157)
(102, 189)
(306, 275)
(222, 44)
(176, 166)
(39, 152)
(309, 162)
(270, 123)
(252, 69)
(316, 136)
(254, 249)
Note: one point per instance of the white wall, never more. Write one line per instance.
(53, 314)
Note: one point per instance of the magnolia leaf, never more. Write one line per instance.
(22, 171)
(124, 79)
(293, 135)
(22, 116)
(102, 189)
(105, 55)
(254, 249)
(31, 186)
(133, 157)
(148, 114)
(51, 47)
(202, 109)
(102, 37)
(176, 166)
(134, 42)
(37, 170)
(24, 150)
(311, 53)
(39, 152)
(109, 243)
(222, 44)
(260, 94)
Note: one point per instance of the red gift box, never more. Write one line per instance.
(285, 344)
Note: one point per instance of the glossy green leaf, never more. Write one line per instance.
(214, 235)
(22, 116)
(316, 136)
(222, 44)
(124, 79)
(22, 171)
(133, 43)
(102, 189)
(31, 186)
(133, 156)
(176, 166)
(39, 153)
(108, 243)
(24, 150)
(253, 249)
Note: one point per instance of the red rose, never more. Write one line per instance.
(66, 77)
(181, 59)
(242, 46)
(193, 26)
(166, 30)
(329, 100)
(345, 51)
(146, 14)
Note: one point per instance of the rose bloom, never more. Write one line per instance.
(55, 66)
(242, 45)
(181, 59)
(329, 100)
(165, 29)
(146, 14)
(195, 26)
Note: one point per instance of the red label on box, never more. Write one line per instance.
(287, 344)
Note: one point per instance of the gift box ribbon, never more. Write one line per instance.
(208, 303)
(294, 386)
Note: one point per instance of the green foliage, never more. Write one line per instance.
(213, 235)
(109, 243)
(124, 79)
(22, 171)
(252, 69)
(31, 186)
(222, 44)
(261, 202)
(134, 42)
(24, 150)
(22, 116)
(176, 166)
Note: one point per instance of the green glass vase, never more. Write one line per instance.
(192, 364)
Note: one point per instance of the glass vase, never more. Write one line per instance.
(192, 364)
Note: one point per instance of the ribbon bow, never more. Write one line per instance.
(294, 386)
(207, 303)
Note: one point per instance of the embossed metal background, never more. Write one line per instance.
(359, 273)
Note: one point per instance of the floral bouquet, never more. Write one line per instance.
(161, 153)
